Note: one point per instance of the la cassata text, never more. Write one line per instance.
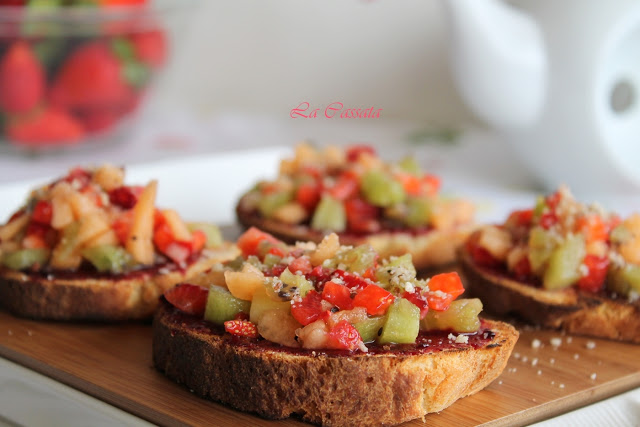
(334, 110)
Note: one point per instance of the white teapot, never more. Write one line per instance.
(560, 82)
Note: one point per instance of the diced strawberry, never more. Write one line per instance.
(191, 299)
(553, 199)
(91, 77)
(301, 264)
(98, 120)
(548, 220)
(198, 240)
(276, 250)
(241, 328)
(22, 79)
(48, 128)
(309, 309)
(439, 301)
(178, 252)
(344, 336)
(36, 235)
(480, 255)
(308, 195)
(375, 299)
(79, 177)
(319, 276)
(276, 270)
(109, 3)
(338, 295)
(42, 212)
(251, 239)
(520, 217)
(419, 300)
(522, 268)
(150, 47)
(122, 225)
(447, 282)
(430, 185)
(443, 289)
(597, 273)
(345, 187)
(354, 151)
(362, 217)
(412, 184)
(593, 228)
(352, 281)
(125, 197)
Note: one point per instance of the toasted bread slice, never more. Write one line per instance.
(568, 309)
(339, 388)
(428, 249)
(132, 296)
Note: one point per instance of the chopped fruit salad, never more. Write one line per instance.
(90, 220)
(68, 72)
(562, 243)
(353, 191)
(326, 296)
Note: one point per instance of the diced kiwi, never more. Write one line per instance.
(222, 306)
(410, 165)
(270, 260)
(541, 244)
(357, 260)
(380, 189)
(108, 258)
(329, 215)
(564, 263)
(214, 236)
(461, 316)
(622, 280)
(262, 302)
(25, 258)
(268, 203)
(402, 323)
(418, 212)
(369, 328)
(398, 268)
(295, 283)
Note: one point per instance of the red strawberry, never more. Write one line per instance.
(150, 47)
(22, 79)
(49, 127)
(191, 299)
(91, 77)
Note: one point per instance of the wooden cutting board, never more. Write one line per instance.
(113, 363)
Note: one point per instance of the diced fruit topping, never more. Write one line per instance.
(283, 298)
(90, 220)
(191, 299)
(241, 328)
(353, 191)
(561, 243)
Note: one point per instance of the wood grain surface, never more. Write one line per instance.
(113, 363)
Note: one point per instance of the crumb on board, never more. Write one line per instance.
(536, 343)
(590, 345)
(556, 342)
(593, 376)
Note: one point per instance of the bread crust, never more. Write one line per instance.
(117, 298)
(567, 309)
(429, 249)
(338, 389)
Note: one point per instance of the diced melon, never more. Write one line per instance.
(65, 255)
(61, 213)
(178, 228)
(262, 302)
(109, 177)
(280, 327)
(497, 241)
(139, 242)
(290, 213)
(326, 249)
(92, 226)
(12, 228)
(243, 284)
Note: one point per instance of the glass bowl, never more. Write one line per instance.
(79, 73)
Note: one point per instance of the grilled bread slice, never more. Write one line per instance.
(569, 309)
(99, 297)
(429, 248)
(385, 386)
